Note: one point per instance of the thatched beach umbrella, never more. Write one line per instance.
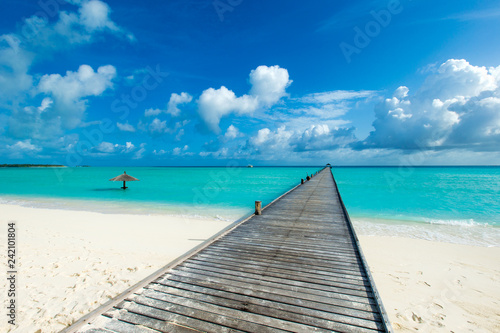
(123, 178)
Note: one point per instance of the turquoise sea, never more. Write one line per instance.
(454, 204)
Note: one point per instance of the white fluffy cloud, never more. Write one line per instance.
(321, 137)
(314, 138)
(21, 149)
(94, 15)
(457, 78)
(214, 104)
(125, 127)
(157, 126)
(172, 106)
(25, 145)
(152, 112)
(479, 126)
(458, 106)
(15, 63)
(110, 148)
(37, 37)
(159, 152)
(46, 103)
(269, 84)
(326, 108)
(268, 87)
(221, 153)
(179, 151)
(71, 28)
(129, 146)
(69, 91)
(232, 133)
(179, 135)
(40, 106)
(106, 147)
(401, 92)
(175, 101)
(263, 135)
(75, 85)
(141, 152)
(63, 105)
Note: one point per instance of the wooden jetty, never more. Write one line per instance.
(298, 267)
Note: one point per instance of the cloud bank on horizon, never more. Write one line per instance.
(457, 106)
(102, 112)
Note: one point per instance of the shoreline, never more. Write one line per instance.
(466, 232)
(136, 208)
(71, 262)
(473, 234)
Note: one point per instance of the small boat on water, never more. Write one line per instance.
(249, 166)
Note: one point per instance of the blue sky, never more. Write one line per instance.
(89, 82)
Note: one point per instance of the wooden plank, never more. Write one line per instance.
(340, 239)
(270, 269)
(287, 279)
(279, 283)
(145, 321)
(319, 231)
(164, 320)
(267, 271)
(202, 315)
(292, 256)
(268, 248)
(363, 311)
(348, 319)
(289, 241)
(285, 252)
(314, 295)
(329, 245)
(122, 327)
(228, 312)
(224, 284)
(218, 252)
(328, 254)
(290, 259)
(283, 298)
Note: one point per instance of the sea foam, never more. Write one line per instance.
(465, 232)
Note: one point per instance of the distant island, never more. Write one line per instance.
(31, 166)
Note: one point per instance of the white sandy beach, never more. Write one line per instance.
(70, 262)
(436, 287)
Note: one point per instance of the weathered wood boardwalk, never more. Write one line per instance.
(296, 268)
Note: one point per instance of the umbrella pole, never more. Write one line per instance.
(124, 187)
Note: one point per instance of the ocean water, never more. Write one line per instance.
(453, 204)
(224, 192)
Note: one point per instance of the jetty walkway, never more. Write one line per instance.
(298, 267)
